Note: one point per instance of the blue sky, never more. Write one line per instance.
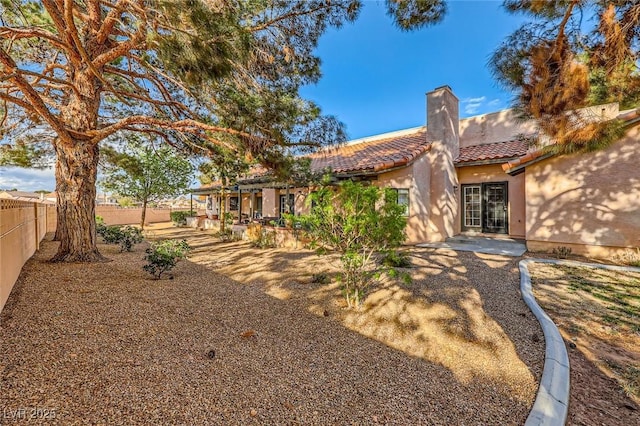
(375, 76)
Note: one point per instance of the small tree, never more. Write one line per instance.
(359, 222)
(146, 174)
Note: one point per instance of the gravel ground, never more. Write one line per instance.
(102, 343)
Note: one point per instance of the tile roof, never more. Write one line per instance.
(373, 155)
(492, 151)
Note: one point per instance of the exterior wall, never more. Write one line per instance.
(443, 133)
(506, 125)
(591, 200)
(22, 226)
(269, 202)
(495, 127)
(416, 179)
(515, 194)
(113, 215)
(300, 195)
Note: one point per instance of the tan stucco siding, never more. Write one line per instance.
(491, 128)
(269, 202)
(506, 125)
(515, 194)
(300, 195)
(590, 199)
(415, 178)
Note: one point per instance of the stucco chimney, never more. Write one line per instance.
(443, 131)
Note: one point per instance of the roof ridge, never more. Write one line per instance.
(384, 136)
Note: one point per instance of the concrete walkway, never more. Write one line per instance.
(503, 246)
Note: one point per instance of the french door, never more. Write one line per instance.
(485, 207)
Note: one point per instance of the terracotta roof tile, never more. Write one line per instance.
(492, 151)
(372, 154)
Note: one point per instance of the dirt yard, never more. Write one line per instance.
(598, 314)
(243, 336)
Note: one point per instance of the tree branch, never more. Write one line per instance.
(188, 126)
(109, 21)
(17, 101)
(57, 17)
(33, 97)
(32, 32)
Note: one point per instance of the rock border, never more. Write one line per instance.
(552, 402)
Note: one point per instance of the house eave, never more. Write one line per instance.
(484, 162)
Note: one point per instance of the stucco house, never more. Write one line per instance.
(479, 176)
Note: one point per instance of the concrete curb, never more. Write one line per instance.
(552, 403)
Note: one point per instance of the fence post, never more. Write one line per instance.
(35, 210)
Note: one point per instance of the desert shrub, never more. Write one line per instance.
(629, 257)
(125, 236)
(320, 278)
(561, 252)
(227, 219)
(264, 238)
(179, 218)
(100, 225)
(360, 222)
(396, 259)
(225, 235)
(163, 256)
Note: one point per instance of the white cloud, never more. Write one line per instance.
(474, 100)
(27, 179)
(472, 106)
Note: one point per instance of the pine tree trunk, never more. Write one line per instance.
(144, 213)
(76, 173)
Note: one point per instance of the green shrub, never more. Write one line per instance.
(320, 278)
(163, 256)
(179, 218)
(359, 222)
(100, 226)
(396, 259)
(561, 252)
(225, 235)
(125, 236)
(266, 238)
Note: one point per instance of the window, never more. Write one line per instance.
(472, 201)
(233, 203)
(258, 209)
(287, 207)
(403, 199)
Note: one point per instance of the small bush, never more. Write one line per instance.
(320, 278)
(100, 226)
(561, 252)
(179, 218)
(225, 235)
(396, 259)
(266, 238)
(629, 257)
(125, 236)
(163, 256)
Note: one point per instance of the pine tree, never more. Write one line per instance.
(199, 74)
(556, 67)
